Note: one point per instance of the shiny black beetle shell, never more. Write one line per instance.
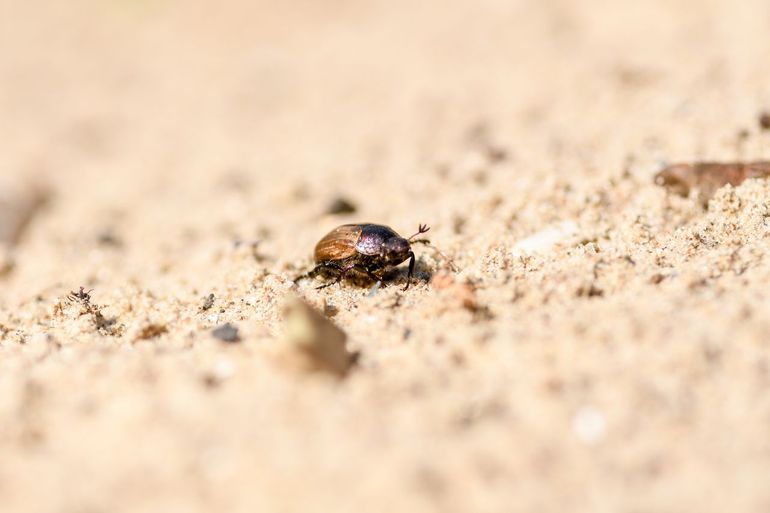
(364, 248)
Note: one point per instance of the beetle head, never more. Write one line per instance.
(396, 249)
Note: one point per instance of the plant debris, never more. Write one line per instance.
(705, 178)
(152, 330)
(312, 343)
(226, 333)
(104, 325)
(208, 302)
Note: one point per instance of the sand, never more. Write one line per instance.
(602, 345)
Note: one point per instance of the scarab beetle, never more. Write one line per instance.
(364, 248)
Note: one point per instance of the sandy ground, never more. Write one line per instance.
(618, 362)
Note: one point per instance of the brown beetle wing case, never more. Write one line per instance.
(338, 244)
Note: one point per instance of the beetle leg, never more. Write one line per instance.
(339, 279)
(329, 266)
(411, 270)
(341, 273)
(335, 267)
(312, 273)
(367, 272)
(301, 277)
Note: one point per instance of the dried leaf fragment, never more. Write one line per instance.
(152, 330)
(707, 177)
(312, 343)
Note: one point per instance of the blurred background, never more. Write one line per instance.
(173, 92)
(241, 116)
(126, 103)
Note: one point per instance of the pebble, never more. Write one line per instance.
(227, 333)
(546, 239)
(589, 425)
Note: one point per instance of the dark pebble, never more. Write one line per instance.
(341, 206)
(226, 333)
(764, 120)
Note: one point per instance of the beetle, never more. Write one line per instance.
(363, 248)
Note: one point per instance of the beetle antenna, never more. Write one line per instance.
(424, 228)
(420, 230)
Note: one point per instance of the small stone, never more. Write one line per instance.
(108, 238)
(341, 205)
(546, 239)
(589, 425)
(330, 310)
(764, 120)
(227, 333)
(223, 370)
(657, 278)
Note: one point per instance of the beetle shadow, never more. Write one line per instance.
(398, 275)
